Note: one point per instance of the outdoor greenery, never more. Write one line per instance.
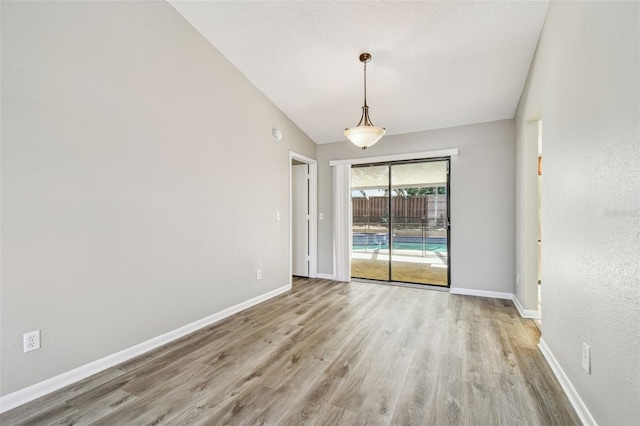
(414, 192)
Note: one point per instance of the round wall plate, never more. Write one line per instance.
(277, 134)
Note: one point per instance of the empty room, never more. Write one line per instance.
(200, 222)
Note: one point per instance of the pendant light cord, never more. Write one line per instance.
(364, 134)
(365, 83)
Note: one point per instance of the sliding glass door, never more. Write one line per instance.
(419, 220)
(370, 232)
(401, 222)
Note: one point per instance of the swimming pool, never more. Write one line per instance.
(369, 241)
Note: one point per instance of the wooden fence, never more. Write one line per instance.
(432, 208)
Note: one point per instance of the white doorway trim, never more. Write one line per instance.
(529, 272)
(313, 212)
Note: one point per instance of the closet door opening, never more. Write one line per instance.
(401, 222)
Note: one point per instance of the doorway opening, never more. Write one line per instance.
(539, 220)
(303, 176)
(400, 222)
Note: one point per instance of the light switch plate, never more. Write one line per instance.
(586, 357)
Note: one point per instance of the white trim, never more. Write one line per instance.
(581, 409)
(313, 211)
(326, 276)
(525, 313)
(45, 387)
(480, 293)
(307, 160)
(397, 157)
(313, 222)
(528, 221)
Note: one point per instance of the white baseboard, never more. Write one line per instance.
(480, 293)
(581, 409)
(32, 392)
(326, 276)
(525, 313)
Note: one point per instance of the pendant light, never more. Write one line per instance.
(365, 133)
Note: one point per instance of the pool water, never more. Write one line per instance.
(437, 247)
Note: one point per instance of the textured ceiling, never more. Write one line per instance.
(435, 63)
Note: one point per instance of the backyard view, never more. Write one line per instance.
(400, 221)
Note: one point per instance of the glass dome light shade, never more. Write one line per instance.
(364, 136)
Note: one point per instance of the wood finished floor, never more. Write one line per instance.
(330, 353)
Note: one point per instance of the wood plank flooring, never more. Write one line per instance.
(330, 353)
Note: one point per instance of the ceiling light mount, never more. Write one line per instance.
(365, 133)
(365, 57)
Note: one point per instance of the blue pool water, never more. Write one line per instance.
(362, 241)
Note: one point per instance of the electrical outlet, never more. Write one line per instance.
(259, 274)
(518, 278)
(31, 341)
(586, 357)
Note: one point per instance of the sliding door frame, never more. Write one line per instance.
(390, 165)
(342, 258)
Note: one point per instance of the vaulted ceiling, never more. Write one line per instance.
(435, 64)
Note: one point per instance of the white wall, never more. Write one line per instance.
(482, 198)
(139, 182)
(584, 84)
